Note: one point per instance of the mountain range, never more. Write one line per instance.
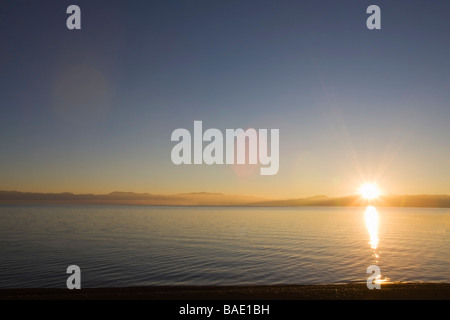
(219, 199)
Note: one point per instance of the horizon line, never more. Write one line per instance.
(220, 199)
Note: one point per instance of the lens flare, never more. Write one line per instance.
(369, 191)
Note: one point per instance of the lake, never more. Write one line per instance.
(117, 246)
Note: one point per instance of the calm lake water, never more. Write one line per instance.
(119, 246)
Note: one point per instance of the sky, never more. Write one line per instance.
(93, 110)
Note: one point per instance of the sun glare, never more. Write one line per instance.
(369, 191)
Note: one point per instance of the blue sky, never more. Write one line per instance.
(92, 110)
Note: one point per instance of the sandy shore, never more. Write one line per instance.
(402, 291)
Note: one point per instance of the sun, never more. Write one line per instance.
(369, 191)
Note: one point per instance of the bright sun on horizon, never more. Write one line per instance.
(369, 191)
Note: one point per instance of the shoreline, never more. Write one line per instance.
(356, 291)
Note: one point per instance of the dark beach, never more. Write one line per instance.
(397, 291)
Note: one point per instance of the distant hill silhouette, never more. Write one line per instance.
(127, 198)
(429, 201)
(218, 199)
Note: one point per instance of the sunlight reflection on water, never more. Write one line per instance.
(372, 222)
